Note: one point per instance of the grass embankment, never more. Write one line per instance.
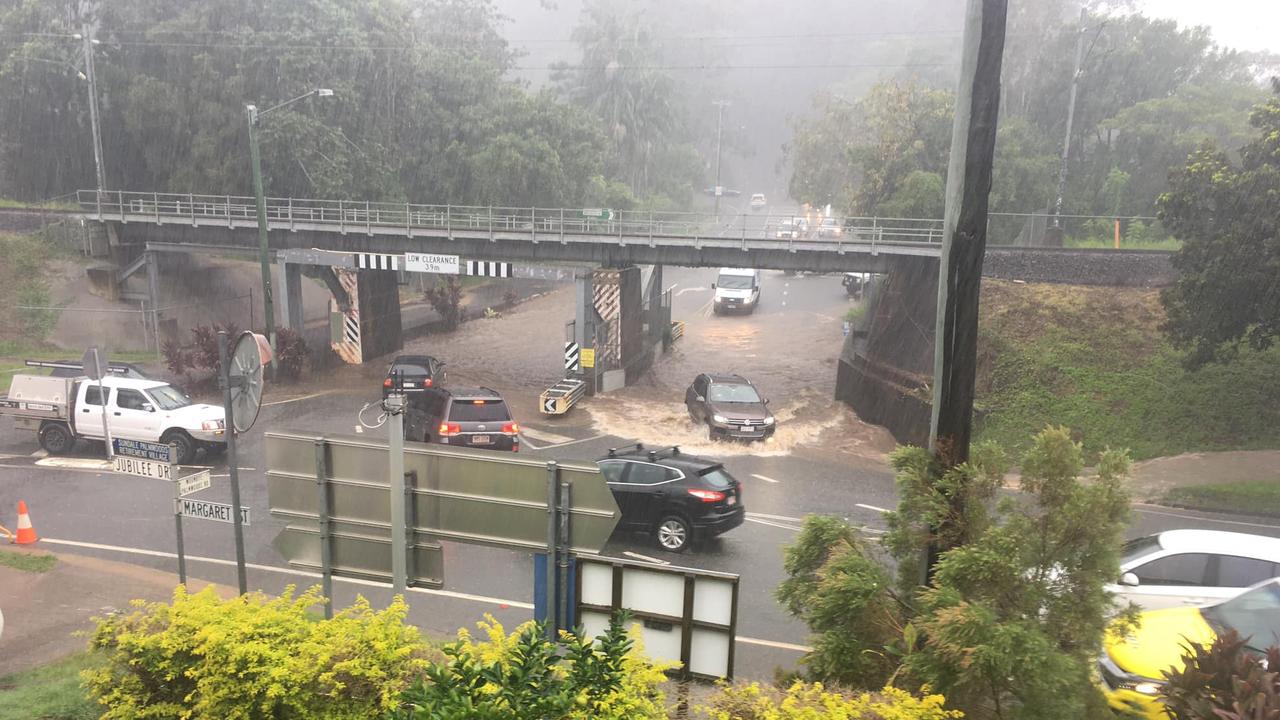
(1095, 360)
(49, 692)
(1253, 497)
(24, 263)
(28, 562)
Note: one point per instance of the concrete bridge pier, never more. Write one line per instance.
(291, 296)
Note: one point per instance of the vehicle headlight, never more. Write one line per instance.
(212, 425)
(768, 420)
(1147, 688)
(720, 418)
(719, 299)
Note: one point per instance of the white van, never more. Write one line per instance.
(736, 289)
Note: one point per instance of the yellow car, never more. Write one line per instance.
(1131, 669)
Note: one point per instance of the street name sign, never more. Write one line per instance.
(194, 483)
(158, 452)
(597, 213)
(432, 263)
(143, 468)
(205, 510)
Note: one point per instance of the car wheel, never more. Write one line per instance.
(186, 446)
(673, 533)
(711, 433)
(215, 449)
(692, 415)
(56, 439)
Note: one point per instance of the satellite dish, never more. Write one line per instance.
(245, 372)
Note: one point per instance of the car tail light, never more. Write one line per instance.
(427, 383)
(511, 428)
(386, 383)
(450, 429)
(707, 495)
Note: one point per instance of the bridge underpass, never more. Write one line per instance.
(353, 245)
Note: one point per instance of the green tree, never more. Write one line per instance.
(1228, 288)
(1017, 608)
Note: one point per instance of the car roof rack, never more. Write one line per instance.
(613, 452)
(109, 367)
(673, 451)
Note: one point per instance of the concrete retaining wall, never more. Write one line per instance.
(1112, 268)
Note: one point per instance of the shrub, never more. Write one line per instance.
(176, 359)
(446, 298)
(291, 353)
(204, 354)
(803, 701)
(253, 657)
(1225, 680)
(524, 676)
(510, 298)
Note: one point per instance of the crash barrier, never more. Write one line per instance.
(557, 399)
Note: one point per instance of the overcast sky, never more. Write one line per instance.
(1239, 24)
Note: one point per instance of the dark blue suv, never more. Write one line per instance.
(676, 498)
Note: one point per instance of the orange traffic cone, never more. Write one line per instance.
(26, 533)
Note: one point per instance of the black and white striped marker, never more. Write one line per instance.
(377, 261)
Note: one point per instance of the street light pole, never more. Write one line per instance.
(720, 105)
(268, 299)
(253, 115)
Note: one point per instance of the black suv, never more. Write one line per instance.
(468, 417)
(419, 372)
(676, 498)
(729, 406)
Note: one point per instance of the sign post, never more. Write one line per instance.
(177, 524)
(394, 406)
(156, 461)
(232, 459)
(95, 367)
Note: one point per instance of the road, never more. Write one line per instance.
(822, 460)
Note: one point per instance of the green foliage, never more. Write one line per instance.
(253, 657)
(446, 298)
(49, 692)
(525, 676)
(1226, 680)
(805, 701)
(1017, 609)
(415, 114)
(28, 561)
(1228, 292)
(1093, 359)
(24, 272)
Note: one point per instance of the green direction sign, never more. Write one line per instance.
(597, 213)
(471, 496)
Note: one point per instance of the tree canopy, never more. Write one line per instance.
(1228, 290)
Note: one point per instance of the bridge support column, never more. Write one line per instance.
(380, 327)
(584, 323)
(291, 298)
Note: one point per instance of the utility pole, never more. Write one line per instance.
(964, 241)
(720, 105)
(1071, 113)
(264, 259)
(92, 78)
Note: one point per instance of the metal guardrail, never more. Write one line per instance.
(557, 399)
(541, 224)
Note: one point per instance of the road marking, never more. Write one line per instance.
(786, 518)
(287, 571)
(40, 454)
(871, 507)
(563, 444)
(1140, 507)
(765, 478)
(75, 463)
(546, 437)
(691, 289)
(359, 429)
(453, 594)
(771, 523)
(775, 644)
(297, 399)
(645, 558)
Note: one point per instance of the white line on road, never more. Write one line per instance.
(546, 437)
(645, 558)
(297, 399)
(40, 454)
(285, 571)
(871, 507)
(765, 478)
(563, 444)
(1142, 508)
(786, 518)
(771, 523)
(691, 289)
(368, 583)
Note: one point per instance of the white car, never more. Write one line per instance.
(1194, 567)
(758, 202)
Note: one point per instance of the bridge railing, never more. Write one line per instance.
(366, 216)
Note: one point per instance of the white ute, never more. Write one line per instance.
(62, 410)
